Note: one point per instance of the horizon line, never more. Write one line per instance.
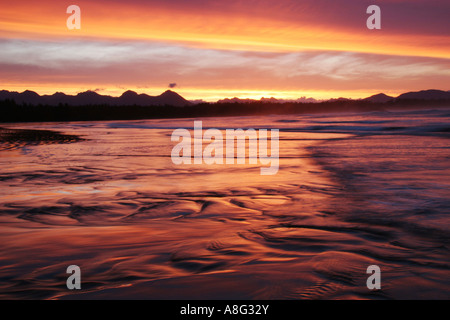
(300, 97)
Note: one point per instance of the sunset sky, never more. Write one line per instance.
(212, 49)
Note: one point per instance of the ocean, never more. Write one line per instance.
(352, 190)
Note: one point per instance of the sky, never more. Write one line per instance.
(215, 49)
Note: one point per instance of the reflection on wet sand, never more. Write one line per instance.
(141, 227)
(17, 138)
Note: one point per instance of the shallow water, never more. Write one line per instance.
(352, 191)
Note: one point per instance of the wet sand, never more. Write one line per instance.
(15, 138)
(350, 193)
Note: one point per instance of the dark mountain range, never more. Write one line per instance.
(131, 98)
(379, 98)
(28, 106)
(419, 95)
(128, 98)
(426, 95)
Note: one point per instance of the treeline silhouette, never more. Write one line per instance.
(10, 111)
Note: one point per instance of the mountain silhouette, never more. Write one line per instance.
(426, 95)
(28, 106)
(171, 98)
(128, 98)
(379, 98)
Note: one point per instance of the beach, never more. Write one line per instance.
(352, 190)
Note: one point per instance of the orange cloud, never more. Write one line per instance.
(209, 28)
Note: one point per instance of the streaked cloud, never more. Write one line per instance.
(153, 65)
